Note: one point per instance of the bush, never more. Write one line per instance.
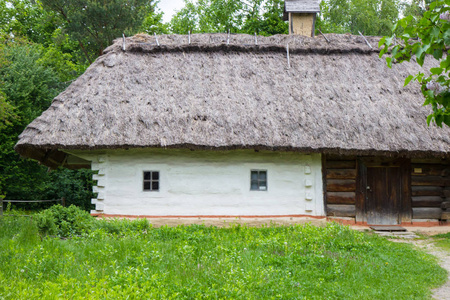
(64, 221)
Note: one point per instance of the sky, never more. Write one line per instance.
(169, 7)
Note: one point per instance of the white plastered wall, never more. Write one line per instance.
(206, 183)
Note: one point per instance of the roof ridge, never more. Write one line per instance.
(333, 43)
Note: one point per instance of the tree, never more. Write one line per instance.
(272, 20)
(153, 23)
(371, 17)
(185, 20)
(261, 16)
(6, 112)
(28, 83)
(426, 37)
(94, 24)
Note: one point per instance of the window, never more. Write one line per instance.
(151, 181)
(258, 180)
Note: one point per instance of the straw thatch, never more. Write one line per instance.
(232, 92)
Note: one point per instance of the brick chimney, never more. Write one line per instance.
(301, 15)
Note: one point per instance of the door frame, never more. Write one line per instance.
(405, 210)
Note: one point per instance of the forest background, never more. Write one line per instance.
(46, 44)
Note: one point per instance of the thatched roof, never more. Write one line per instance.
(215, 93)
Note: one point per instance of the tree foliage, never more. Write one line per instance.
(94, 24)
(37, 61)
(370, 17)
(426, 36)
(262, 17)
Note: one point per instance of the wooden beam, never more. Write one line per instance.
(341, 173)
(383, 162)
(426, 201)
(428, 161)
(445, 205)
(420, 190)
(340, 157)
(430, 180)
(341, 164)
(429, 170)
(341, 185)
(341, 198)
(427, 212)
(340, 210)
(445, 215)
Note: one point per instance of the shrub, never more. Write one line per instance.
(64, 221)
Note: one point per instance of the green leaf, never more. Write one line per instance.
(429, 118)
(446, 36)
(445, 63)
(447, 120)
(406, 36)
(420, 60)
(436, 71)
(408, 80)
(437, 53)
(434, 33)
(439, 119)
(389, 61)
(429, 93)
(419, 76)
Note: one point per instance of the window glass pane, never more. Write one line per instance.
(146, 175)
(155, 175)
(254, 186)
(147, 186)
(262, 175)
(263, 184)
(155, 186)
(254, 175)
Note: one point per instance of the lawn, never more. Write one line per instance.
(443, 240)
(122, 259)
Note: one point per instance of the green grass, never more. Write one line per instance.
(130, 259)
(443, 240)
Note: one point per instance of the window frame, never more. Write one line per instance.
(259, 180)
(151, 181)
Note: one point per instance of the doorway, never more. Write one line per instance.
(383, 195)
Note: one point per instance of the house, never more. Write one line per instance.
(237, 125)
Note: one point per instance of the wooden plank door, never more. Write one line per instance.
(384, 194)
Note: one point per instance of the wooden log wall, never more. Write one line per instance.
(340, 175)
(430, 187)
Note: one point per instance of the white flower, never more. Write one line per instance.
(445, 16)
(435, 87)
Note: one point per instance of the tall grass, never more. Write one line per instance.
(130, 259)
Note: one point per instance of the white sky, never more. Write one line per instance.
(168, 7)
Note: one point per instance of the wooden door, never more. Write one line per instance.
(384, 195)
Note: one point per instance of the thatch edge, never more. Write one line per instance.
(46, 153)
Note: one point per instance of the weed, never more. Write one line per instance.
(131, 259)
